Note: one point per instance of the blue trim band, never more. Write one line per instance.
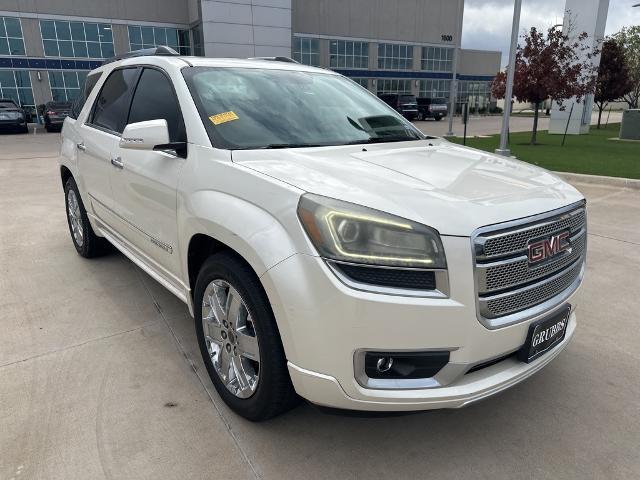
(41, 63)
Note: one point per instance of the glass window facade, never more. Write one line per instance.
(306, 51)
(363, 82)
(348, 54)
(76, 39)
(392, 56)
(476, 94)
(394, 85)
(66, 85)
(437, 59)
(198, 40)
(149, 37)
(16, 84)
(435, 88)
(11, 41)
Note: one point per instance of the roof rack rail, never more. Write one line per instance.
(161, 51)
(275, 59)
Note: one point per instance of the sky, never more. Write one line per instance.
(487, 23)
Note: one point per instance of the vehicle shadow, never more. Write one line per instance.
(517, 433)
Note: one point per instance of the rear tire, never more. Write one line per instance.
(87, 243)
(257, 390)
(438, 119)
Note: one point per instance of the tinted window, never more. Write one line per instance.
(79, 101)
(112, 105)
(154, 99)
(7, 104)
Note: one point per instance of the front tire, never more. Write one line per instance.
(239, 339)
(87, 243)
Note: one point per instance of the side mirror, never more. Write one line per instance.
(145, 135)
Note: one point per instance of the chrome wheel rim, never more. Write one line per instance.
(230, 337)
(75, 218)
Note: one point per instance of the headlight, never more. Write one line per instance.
(351, 233)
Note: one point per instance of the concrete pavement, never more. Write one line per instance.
(101, 377)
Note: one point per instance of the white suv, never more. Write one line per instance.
(326, 248)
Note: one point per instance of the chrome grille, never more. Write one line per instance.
(529, 297)
(510, 242)
(509, 288)
(516, 272)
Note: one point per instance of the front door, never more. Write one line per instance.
(145, 187)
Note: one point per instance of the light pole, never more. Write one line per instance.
(453, 87)
(504, 134)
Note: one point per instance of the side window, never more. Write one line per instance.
(80, 100)
(112, 106)
(155, 99)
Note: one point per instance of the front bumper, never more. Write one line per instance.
(13, 123)
(323, 324)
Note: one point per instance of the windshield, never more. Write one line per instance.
(245, 108)
(407, 99)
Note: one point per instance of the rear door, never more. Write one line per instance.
(145, 187)
(99, 136)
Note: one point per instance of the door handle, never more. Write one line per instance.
(81, 147)
(117, 162)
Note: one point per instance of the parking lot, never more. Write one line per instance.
(101, 376)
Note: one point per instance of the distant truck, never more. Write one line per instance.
(405, 105)
(435, 108)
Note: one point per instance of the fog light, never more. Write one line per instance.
(404, 365)
(384, 364)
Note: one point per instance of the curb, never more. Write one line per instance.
(600, 180)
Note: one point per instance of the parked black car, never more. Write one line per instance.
(54, 114)
(12, 117)
(406, 105)
(435, 108)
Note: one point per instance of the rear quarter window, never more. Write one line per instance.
(112, 104)
(78, 103)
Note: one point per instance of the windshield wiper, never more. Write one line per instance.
(291, 145)
(388, 139)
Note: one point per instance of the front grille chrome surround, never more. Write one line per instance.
(509, 289)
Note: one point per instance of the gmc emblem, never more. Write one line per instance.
(543, 249)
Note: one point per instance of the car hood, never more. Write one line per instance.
(451, 188)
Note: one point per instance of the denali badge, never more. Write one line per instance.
(548, 247)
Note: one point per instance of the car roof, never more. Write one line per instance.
(186, 61)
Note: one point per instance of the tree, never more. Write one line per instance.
(613, 76)
(552, 66)
(629, 39)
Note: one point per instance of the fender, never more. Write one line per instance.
(243, 226)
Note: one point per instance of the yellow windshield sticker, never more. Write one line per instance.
(223, 118)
